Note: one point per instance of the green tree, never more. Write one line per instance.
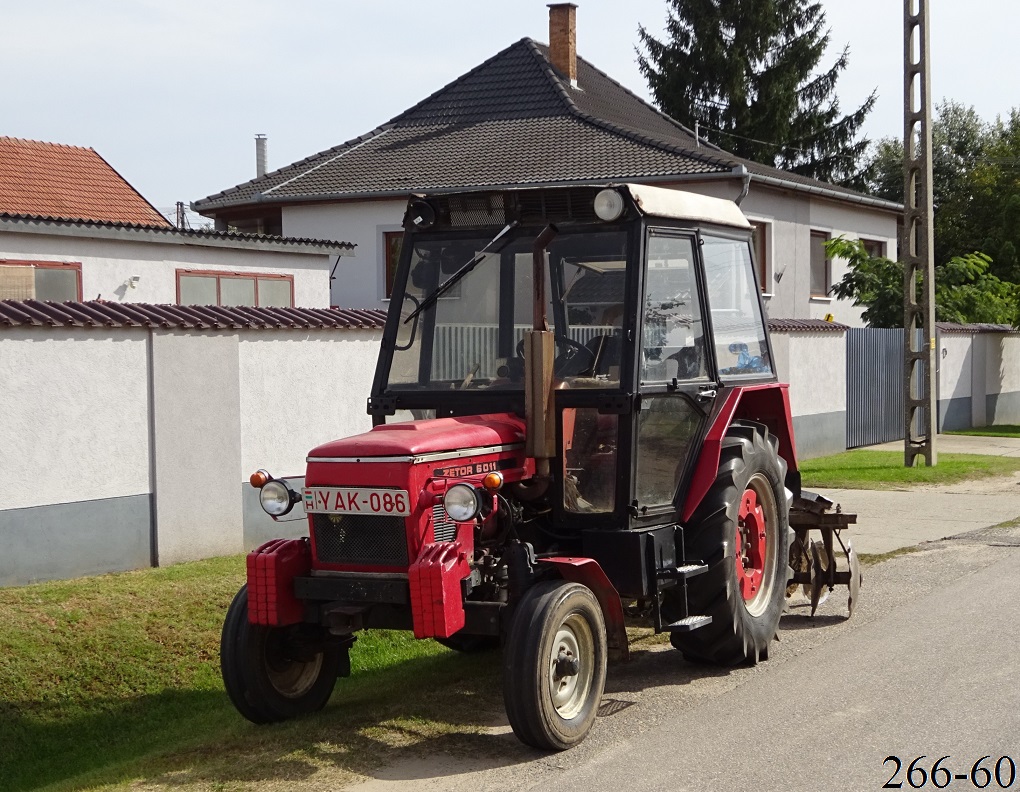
(747, 70)
(965, 289)
(961, 142)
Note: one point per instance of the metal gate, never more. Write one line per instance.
(874, 380)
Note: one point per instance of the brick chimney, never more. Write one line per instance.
(563, 39)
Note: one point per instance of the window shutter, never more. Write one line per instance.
(17, 283)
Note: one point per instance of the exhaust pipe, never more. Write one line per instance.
(539, 356)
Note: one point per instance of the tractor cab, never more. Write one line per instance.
(649, 296)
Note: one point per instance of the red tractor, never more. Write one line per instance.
(575, 411)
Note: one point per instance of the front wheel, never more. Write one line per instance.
(554, 665)
(276, 673)
(742, 531)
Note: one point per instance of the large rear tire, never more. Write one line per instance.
(276, 673)
(554, 665)
(742, 531)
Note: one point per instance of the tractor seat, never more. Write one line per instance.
(606, 352)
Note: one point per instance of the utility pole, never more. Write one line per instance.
(182, 219)
(917, 241)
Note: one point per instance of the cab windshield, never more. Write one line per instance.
(472, 336)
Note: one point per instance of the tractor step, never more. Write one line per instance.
(682, 572)
(687, 624)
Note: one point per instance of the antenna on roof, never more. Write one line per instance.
(697, 135)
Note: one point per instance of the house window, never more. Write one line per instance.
(392, 242)
(40, 280)
(821, 265)
(874, 248)
(759, 240)
(234, 288)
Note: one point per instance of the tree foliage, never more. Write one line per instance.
(747, 71)
(965, 289)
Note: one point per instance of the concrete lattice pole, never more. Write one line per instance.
(917, 242)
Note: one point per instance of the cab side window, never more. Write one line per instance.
(673, 341)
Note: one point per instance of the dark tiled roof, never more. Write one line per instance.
(52, 180)
(183, 234)
(806, 326)
(97, 313)
(512, 120)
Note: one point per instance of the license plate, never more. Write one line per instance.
(339, 500)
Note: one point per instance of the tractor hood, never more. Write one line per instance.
(415, 438)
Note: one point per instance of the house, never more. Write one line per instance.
(540, 115)
(72, 228)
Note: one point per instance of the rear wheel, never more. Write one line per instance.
(275, 673)
(554, 665)
(741, 530)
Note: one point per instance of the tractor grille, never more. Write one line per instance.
(443, 528)
(360, 539)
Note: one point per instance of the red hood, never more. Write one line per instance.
(411, 438)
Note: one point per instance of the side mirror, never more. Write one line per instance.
(406, 329)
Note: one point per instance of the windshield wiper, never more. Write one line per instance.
(429, 301)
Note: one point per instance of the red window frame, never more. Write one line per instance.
(70, 265)
(220, 274)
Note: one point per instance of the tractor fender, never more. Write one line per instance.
(587, 572)
(767, 404)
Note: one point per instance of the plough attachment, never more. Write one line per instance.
(814, 561)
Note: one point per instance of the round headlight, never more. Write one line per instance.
(275, 498)
(461, 503)
(608, 205)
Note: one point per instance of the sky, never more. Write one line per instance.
(172, 94)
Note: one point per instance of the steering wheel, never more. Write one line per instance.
(573, 360)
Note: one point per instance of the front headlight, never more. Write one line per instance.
(462, 503)
(276, 498)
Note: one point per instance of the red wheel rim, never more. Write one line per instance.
(751, 545)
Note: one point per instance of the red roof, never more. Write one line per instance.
(67, 182)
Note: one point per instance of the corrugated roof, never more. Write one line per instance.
(806, 326)
(70, 182)
(512, 120)
(99, 313)
(12, 222)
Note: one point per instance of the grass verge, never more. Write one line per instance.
(864, 469)
(1005, 430)
(111, 679)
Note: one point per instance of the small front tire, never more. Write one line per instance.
(276, 673)
(554, 665)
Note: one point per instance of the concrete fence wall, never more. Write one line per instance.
(979, 379)
(125, 447)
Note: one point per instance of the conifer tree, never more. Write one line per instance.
(746, 71)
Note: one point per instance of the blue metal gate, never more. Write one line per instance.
(874, 379)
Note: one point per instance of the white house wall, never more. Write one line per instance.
(107, 265)
(360, 280)
(791, 218)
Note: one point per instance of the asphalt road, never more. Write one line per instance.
(928, 665)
